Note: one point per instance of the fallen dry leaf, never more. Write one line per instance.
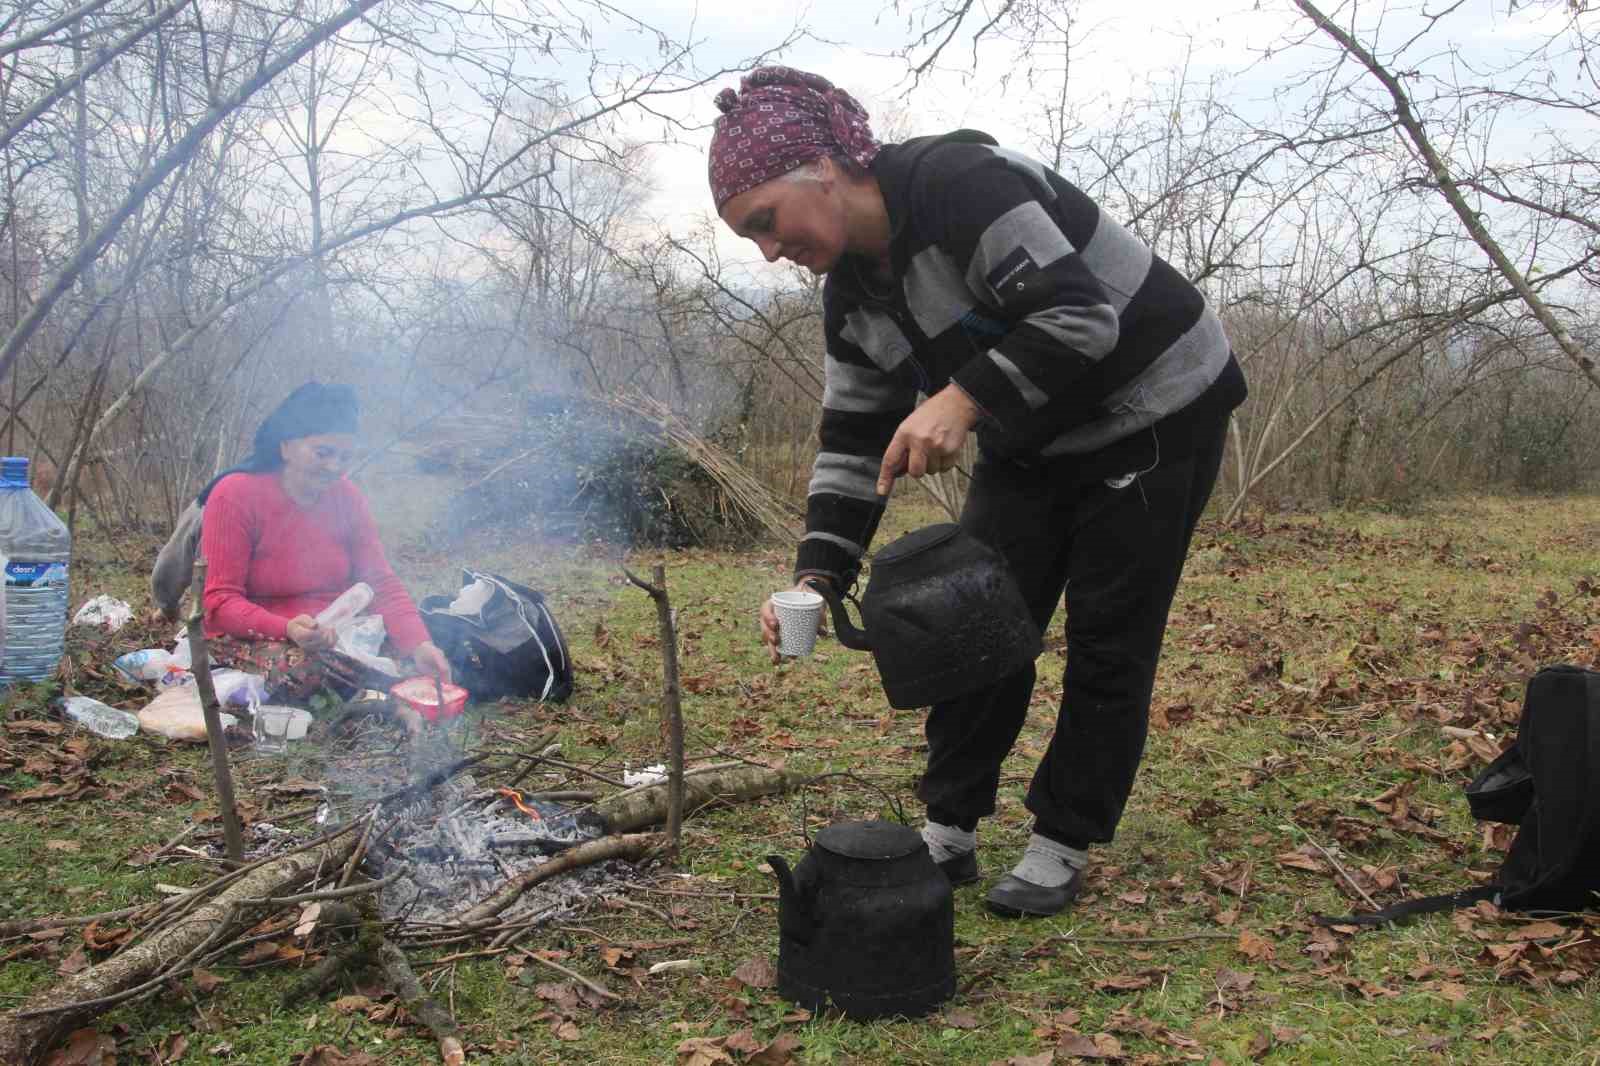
(1044, 1058)
(1540, 931)
(97, 939)
(744, 1042)
(85, 1047)
(308, 920)
(778, 1053)
(961, 1019)
(262, 951)
(327, 1055)
(1255, 947)
(1123, 983)
(702, 1051)
(68, 846)
(173, 1048)
(1099, 1046)
(206, 981)
(757, 973)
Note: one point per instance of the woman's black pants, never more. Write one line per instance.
(1118, 554)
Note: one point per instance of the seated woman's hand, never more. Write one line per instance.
(430, 661)
(304, 631)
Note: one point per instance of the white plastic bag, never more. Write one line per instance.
(176, 713)
(235, 688)
(360, 639)
(351, 602)
(105, 611)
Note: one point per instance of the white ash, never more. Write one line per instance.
(459, 858)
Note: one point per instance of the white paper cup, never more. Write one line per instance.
(799, 617)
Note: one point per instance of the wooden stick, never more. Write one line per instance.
(1069, 938)
(397, 972)
(578, 977)
(200, 664)
(631, 846)
(671, 703)
(50, 1014)
(1326, 854)
(342, 892)
(24, 926)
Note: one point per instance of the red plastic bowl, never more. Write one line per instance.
(421, 695)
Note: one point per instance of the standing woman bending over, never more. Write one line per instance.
(1096, 378)
(283, 535)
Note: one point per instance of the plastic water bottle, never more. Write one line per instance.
(97, 718)
(38, 549)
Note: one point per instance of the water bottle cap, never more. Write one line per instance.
(14, 471)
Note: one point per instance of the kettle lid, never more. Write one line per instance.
(919, 541)
(876, 839)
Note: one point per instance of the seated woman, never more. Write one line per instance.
(284, 534)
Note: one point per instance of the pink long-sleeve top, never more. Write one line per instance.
(268, 560)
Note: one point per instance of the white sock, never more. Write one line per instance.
(947, 841)
(1048, 863)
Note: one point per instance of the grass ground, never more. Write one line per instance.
(1330, 682)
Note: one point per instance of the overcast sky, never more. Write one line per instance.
(1121, 45)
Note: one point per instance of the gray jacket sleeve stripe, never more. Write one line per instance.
(877, 335)
(1117, 259)
(843, 542)
(936, 295)
(1172, 382)
(849, 387)
(1032, 395)
(1027, 227)
(845, 475)
(1091, 331)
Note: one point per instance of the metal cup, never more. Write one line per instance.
(799, 617)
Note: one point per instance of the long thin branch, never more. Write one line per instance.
(174, 157)
(102, 57)
(1452, 192)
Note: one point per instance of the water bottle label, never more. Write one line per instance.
(27, 575)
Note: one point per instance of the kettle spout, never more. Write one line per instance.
(850, 635)
(787, 889)
(795, 919)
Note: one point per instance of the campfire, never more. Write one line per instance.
(412, 847)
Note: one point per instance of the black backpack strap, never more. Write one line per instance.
(1450, 901)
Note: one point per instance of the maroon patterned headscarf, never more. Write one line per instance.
(782, 118)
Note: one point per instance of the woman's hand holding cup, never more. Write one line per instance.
(791, 619)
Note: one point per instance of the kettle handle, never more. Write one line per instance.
(796, 887)
(850, 635)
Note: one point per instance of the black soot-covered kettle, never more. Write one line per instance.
(866, 922)
(942, 616)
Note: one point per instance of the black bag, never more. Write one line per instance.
(1548, 785)
(500, 638)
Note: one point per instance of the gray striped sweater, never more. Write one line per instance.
(1084, 350)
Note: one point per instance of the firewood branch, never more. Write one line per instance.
(671, 701)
